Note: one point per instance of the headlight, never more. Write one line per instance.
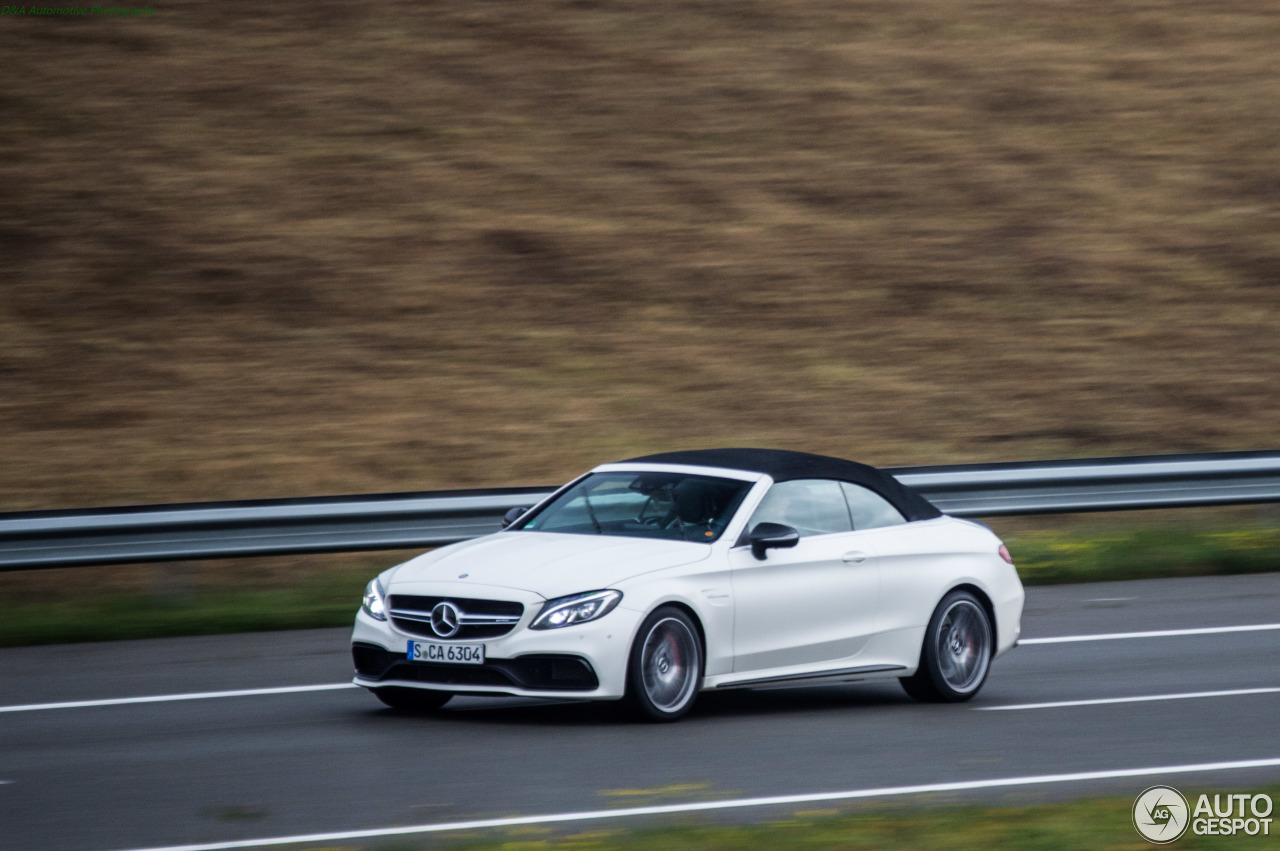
(578, 608)
(375, 604)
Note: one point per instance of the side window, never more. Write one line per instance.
(869, 509)
(810, 506)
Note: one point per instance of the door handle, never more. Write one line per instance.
(854, 557)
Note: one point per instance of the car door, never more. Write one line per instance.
(810, 604)
(908, 562)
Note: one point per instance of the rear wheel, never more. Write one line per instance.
(665, 666)
(957, 650)
(412, 699)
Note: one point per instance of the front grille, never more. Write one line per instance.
(547, 672)
(479, 618)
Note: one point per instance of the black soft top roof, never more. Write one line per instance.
(782, 465)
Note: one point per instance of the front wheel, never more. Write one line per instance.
(665, 666)
(412, 699)
(956, 654)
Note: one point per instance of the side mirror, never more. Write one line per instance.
(514, 514)
(768, 535)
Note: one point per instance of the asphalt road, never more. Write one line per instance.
(155, 774)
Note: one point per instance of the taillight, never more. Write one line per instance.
(1004, 554)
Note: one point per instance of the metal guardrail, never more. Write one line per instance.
(132, 534)
(1099, 484)
(137, 534)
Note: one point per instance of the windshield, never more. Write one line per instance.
(674, 506)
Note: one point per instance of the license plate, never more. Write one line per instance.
(454, 654)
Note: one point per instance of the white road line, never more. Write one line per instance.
(1139, 699)
(740, 803)
(166, 698)
(1159, 633)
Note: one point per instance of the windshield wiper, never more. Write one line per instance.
(591, 512)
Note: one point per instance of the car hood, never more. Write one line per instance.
(548, 564)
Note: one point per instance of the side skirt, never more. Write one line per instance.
(840, 674)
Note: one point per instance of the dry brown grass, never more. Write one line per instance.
(256, 249)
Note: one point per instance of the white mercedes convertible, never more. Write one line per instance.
(655, 579)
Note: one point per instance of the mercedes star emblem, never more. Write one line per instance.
(445, 619)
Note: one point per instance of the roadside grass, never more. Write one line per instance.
(326, 599)
(233, 598)
(1053, 558)
(1089, 824)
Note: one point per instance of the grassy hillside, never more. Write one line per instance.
(285, 248)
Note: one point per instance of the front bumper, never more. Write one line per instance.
(581, 661)
(546, 672)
